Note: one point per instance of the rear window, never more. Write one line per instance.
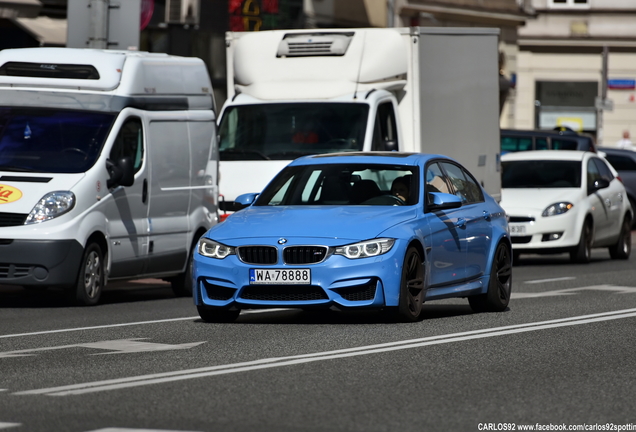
(541, 174)
(564, 144)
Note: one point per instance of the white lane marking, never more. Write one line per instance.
(125, 324)
(8, 425)
(123, 346)
(572, 291)
(120, 383)
(116, 429)
(538, 281)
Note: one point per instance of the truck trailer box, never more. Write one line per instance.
(108, 167)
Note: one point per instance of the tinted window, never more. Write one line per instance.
(603, 169)
(339, 184)
(541, 174)
(289, 130)
(593, 173)
(621, 163)
(514, 144)
(385, 130)
(564, 144)
(129, 143)
(51, 140)
(465, 187)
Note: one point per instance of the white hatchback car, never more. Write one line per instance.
(565, 201)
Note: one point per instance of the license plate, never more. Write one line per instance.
(517, 230)
(280, 276)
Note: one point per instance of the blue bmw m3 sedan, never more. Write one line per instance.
(381, 230)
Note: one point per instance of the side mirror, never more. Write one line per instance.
(122, 173)
(443, 201)
(598, 184)
(390, 145)
(244, 200)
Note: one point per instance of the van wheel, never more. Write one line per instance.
(182, 283)
(623, 246)
(90, 280)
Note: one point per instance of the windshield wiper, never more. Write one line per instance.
(234, 153)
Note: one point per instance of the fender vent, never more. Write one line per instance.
(314, 44)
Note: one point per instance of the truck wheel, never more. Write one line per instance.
(90, 280)
(216, 315)
(497, 297)
(623, 246)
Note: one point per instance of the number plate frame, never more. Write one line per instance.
(517, 230)
(295, 276)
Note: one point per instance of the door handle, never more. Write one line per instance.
(461, 223)
(487, 215)
(144, 192)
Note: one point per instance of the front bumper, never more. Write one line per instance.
(338, 281)
(39, 262)
(539, 234)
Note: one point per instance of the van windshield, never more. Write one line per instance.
(286, 131)
(51, 140)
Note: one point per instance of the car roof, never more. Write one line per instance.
(391, 158)
(545, 155)
(614, 150)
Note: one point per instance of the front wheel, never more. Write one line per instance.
(90, 281)
(216, 315)
(582, 253)
(411, 287)
(623, 247)
(497, 297)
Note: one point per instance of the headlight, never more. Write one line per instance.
(557, 209)
(365, 249)
(212, 249)
(52, 205)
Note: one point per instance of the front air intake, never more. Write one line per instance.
(314, 44)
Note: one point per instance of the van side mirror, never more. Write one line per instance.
(121, 172)
(443, 201)
(598, 185)
(390, 145)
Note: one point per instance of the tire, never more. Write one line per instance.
(182, 283)
(623, 246)
(411, 298)
(497, 297)
(633, 204)
(90, 280)
(582, 253)
(215, 315)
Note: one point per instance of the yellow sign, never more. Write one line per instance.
(9, 194)
(574, 123)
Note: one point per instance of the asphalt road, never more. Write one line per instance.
(562, 355)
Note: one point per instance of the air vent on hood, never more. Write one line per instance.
(49, 70)
(314, 44)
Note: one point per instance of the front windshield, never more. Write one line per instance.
(286, 131)
(541, 174)
(342, 184)
(51, 140)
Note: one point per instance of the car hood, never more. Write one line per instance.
(342, 222)
(519, 202)
(20, 192)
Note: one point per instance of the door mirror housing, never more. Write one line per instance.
(244, 200)
(443, 201)
(121, 172)
(598, 185)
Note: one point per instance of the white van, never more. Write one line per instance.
(108, 167)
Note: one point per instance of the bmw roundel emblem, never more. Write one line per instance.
(282, 241)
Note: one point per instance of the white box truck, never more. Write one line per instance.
(108, 167)
(298, 92)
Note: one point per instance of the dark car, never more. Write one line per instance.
(514, 140)
(624, 162)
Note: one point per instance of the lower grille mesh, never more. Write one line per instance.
(283, 293)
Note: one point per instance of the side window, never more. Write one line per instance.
(541, 144)
(464, 185)
(129, 143)
(603, 170)
(436, 180)
(385, 129)
(592, 173)
(564, 144)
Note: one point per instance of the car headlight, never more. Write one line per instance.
(365, 249)
(557, 209)
(52, 205)
(212, 249)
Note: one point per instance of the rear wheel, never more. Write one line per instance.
(90, 281)
(411, 287)
(623, 247)
(497, 297)
(216, 315)
(582, 253)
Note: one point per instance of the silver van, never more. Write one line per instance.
(108, 167)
